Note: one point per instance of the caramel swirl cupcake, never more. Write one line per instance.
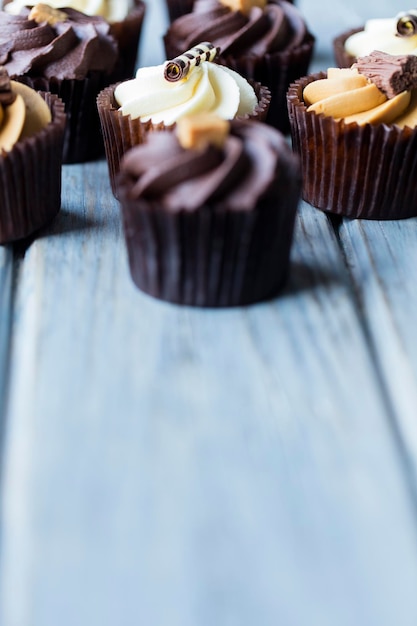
(355, 132)
(31, 137)
(208, 211)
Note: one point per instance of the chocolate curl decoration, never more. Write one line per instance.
(407, 23)
(180, 66)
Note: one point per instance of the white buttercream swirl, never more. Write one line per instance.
(207, 88)
(111, 10)
(380, 34)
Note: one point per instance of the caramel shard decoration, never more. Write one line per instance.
(37, 112)
(202, 129)
(179, 67)
(244, 6)
(392, 74)
(407, 23)
(44, 13)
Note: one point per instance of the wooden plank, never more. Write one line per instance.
(382, 258)
(175, 465)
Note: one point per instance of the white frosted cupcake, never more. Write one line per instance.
(159, 96)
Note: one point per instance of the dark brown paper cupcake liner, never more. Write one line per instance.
(30, 178)
(121, 132)
(127, 34)
(354, 171)
(277, 71)
(342, 58)
(83, 138)
(211, 257)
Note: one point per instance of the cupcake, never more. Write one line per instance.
(162, 94)
(177, 8)
(397, 35)
(268, 42)
(31, 137)
(124, 16)
(208, 211)
(355, 132)
(64, 52)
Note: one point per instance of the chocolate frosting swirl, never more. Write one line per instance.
(277, 27)
(235, 176)
(68, 49)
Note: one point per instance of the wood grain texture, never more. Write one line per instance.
(172, 466)
(382, 257)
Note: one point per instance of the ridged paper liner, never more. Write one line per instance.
(83, 139)
(121, 132)
(127, 33)
(342, 58)
(367, 171)
(212, 256)
(30, 178)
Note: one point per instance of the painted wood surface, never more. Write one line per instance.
(166, 465)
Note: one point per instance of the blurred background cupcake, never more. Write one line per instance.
(394, 35)
(31, 137)
(268, 42)
(208, 211)
(66, 52)
(176, 8)
(124, 16)
(152, 101)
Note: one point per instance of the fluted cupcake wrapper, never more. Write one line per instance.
(121, 132)
(342, 58)
(355, 171)
(275, 70)
(83, 139)
(127, 33)
(211, 257)
(30, 178)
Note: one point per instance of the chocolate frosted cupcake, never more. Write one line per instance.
(124, 16)
(268, 42)
(397, 35)
(159, 96)
(67, 53)
(355, 131)
(177, 8)
(208, 211)
(31, 137)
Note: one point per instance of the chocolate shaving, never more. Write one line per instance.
(392, 74)
(6, 94)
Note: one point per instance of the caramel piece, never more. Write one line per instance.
(244, 6)
(45, 13)
(199, 130)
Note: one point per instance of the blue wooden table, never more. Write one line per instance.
(169, 466)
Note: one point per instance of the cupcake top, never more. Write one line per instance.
(241, 26)
(188, 84)
(55, 43)
(206, 161)
(111, 10)
(378, 88)
(23, 112)
(396, 35)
